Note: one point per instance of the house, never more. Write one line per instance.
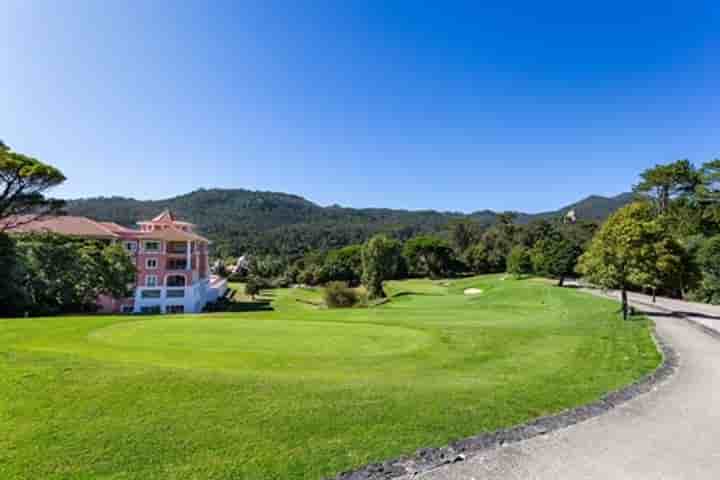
(173, 272)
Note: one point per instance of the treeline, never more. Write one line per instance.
(267, 223)
(666, 242)
(46, 274)
(547, 247)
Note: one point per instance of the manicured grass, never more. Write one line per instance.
(300, 391)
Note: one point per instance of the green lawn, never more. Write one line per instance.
(300, 391)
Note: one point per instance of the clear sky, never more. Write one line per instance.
(453, 106)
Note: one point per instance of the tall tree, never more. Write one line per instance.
(23, 183)
(664, 182)
(380, 260)
(624, 252)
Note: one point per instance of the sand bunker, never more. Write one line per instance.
(472, 291)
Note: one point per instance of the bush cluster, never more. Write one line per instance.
(339, 295)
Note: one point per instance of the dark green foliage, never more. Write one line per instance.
(242, 221)
(463, 234)
(518, 261)
(253, 287)
(343, 265)
(339, 295)
(478, 259)
(555, 257)
(427, 255)
(13, 300)
(709, 262)
(62, 274)
(380, 261)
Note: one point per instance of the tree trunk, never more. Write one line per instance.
(654, 294)
(561, 281)
(624, 303)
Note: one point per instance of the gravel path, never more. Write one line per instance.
(672, 432)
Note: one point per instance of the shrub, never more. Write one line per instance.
(252, 287)
(339, 295)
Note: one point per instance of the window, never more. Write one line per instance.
(127, 309)
(151, 281)
(175, 281)
(151, 294)
(151, 263)
(151, 246)
(152, 309)
(177, 264)
(130, 247)
(176, 293)
(175, 309)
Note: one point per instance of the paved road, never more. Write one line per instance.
(672, 432)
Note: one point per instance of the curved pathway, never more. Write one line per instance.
(672, 432)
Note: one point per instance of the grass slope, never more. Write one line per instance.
(301, 392)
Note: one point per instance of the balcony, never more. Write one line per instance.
(177, 248)
(176, 264)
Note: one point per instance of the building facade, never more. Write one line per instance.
(173, 272)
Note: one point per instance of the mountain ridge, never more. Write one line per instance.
(240, 220)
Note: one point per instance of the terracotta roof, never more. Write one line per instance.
(117, 228)
(64, 225)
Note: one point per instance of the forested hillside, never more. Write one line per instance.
(240, 221)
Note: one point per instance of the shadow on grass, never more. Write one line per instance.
(256, 306)
(423, 294)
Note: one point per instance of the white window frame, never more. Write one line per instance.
(147, 263)
(145, 243)
(148, 283)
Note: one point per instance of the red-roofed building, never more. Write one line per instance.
(173, 272)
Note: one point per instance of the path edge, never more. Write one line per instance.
(426, 459)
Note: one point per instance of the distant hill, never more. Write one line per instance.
(239, 220)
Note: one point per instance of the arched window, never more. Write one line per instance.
(175, 281)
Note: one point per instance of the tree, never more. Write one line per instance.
(709, 260)
(663, 182)
(117, 272)
(518, 262)
(379, 260)
(555, 257)
(463, 234)
(63, 274)
(625, 251)
(344, 265)
(428, 255)
(23, 183)
(12, 296)
(478, 258)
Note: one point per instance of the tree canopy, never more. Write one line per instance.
(23, 183)
(379, 260)
(630, 249)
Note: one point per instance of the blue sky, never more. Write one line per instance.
(452, 106)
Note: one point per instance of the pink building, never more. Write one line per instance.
(173, 273)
